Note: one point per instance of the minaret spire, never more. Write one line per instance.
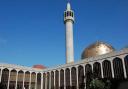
(68, 6)
(69, 20)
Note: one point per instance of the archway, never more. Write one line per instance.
(20, 80)
(88, 74)
(33, 78)
(61, 79)
(118, 68)
(39, 81)
(81, 77)
(96, 70)
(48, 78)
(74, 78)
(107, 72)
(44, 80)
(12, 79)
(67, 78)
(52, 80)
(4, 78)
(56, 79)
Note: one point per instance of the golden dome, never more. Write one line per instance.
(97, 48)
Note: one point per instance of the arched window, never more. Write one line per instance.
(118, 68)
(44, 80)
(61, 79)
(57, 79)
(20, 79)
(38, 81)
(126, 64)
(48, 78)
(107, 72)
(12, 79)
(88, 74)
(74, 79)
(52, 80)
(81, 77)
(67, 78)
(33, 78)
(96, 70)
(4, 79)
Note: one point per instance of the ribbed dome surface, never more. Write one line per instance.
(97, 48)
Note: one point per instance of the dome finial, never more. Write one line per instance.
(68, 6)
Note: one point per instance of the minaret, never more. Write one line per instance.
(69, 20)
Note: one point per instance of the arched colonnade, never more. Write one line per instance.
(72, 77)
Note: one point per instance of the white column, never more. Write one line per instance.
(9, 78)
(70, 78)
(64, 80)
(50, 80)
(1, 74)
(124, 69)
(36, 82)
(30, 80)
(77, 77)
(102, 75)
(54, 79)
(41, 80)
(46, 81)
(112, 68)
(16, 79)
(59, 79)
(23, 78)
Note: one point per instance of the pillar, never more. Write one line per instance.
(36, 82)
(30, 80)
(9, 78)
(70, 78)
(23, 79)
(112, 68)
(124, 69)
(41, 80)
(1, 74)
(16, 79)
(102, 75)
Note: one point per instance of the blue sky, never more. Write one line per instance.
(32, 31)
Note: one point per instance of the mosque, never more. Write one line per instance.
(98, 61)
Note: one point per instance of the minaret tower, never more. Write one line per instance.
(69, 20)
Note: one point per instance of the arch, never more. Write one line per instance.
(48, 78)
(38, 81)
(126, 64)
(56, 79)
(88, 74)
(4, 78)
(12, 79)
(74, 78)
(52, 80)
(61, 79)
(33, 78)
(107, 72)
(26, 80)
(81, 77)
(96, 70)
(20, 79)
(44, 80)
(67, 78)
(118, 68)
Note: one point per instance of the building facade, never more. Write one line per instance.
(99, 60)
